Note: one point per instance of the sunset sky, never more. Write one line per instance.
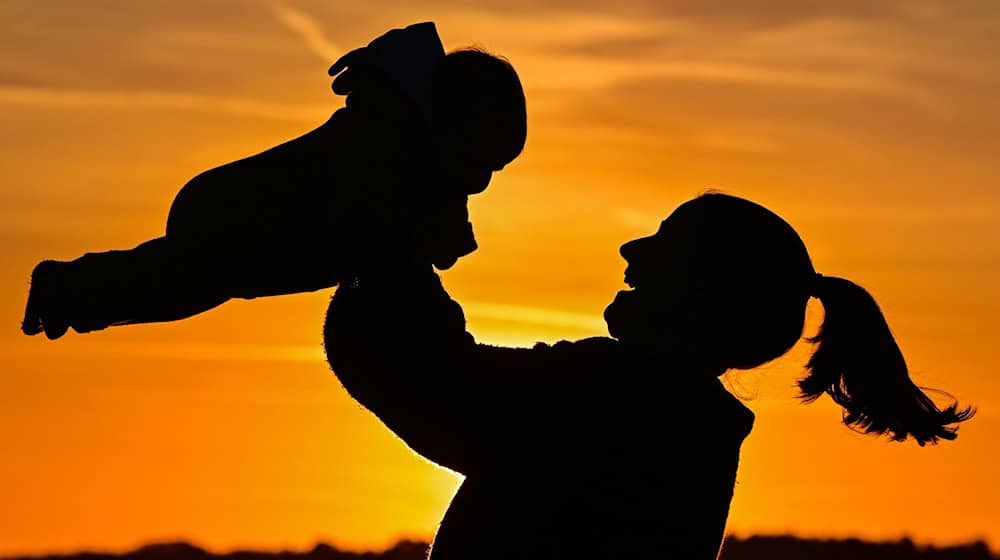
(871, 126)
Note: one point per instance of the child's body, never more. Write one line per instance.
(299, 216)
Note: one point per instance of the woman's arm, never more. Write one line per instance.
(398, 343)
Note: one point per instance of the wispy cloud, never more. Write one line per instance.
(743, 143)
(177, 101)
(637, 220)
(188, 351)
(309, 30)
(831, 55)
(534, 316)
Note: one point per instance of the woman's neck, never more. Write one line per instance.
(680, 359)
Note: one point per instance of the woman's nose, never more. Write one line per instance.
(628, 249)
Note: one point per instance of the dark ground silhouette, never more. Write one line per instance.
(752, 548)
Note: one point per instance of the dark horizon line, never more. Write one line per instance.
(182, 549)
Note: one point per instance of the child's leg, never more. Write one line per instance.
(283, 221)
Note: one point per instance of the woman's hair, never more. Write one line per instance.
(761, 278)
(480, 95)
(858, 363)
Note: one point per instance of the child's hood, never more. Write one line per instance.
(409, 56)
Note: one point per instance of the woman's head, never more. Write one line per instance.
(721, 272)
(724, 283)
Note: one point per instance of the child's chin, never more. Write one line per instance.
(445, 263)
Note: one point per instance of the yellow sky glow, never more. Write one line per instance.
(870, 126)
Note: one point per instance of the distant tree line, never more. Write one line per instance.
(751, 548)
(794, 548)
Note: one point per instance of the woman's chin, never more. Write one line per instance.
(617, 312)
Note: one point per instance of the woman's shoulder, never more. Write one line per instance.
(589, 353)
(718, 410)
(742, 418)
(592, 344)
(700, 402)
(611, 366)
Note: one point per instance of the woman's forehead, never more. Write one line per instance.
(696, 213)
(676, 219)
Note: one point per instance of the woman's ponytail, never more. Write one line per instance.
(858, 363)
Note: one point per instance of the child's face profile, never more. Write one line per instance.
(461, 167)
(479, 119)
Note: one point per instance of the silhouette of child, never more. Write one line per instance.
(419, 133)
(623, 447)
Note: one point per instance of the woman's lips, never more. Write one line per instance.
(628, 279)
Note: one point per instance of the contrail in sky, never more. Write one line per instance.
(309, 30)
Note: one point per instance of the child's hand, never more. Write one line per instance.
(46, 308)
(444, 231)
(348, 67)
(394, 72)
(369, 91)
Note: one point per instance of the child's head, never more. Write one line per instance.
(724, 283)
(479, 116)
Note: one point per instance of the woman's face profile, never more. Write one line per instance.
(652, 270)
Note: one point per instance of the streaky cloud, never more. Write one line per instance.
(192, 351)
(309, 30)
(535, 316)
(163, 100)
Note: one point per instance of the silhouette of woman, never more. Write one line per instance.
(623, 447)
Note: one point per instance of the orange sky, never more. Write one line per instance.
(870, 126)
